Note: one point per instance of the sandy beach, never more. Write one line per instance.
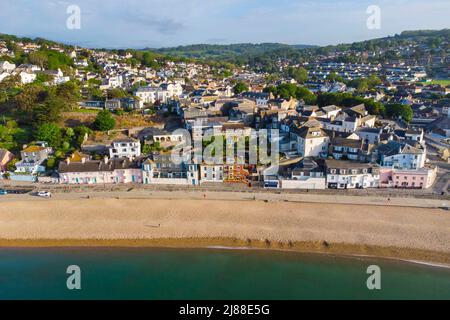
(412, 233)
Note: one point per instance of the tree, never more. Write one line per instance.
(30, 95)
(69, 92)
(50, 133)
(116, 93)
(11, 166)
(333, 76)
(397, 110)
(8, 87)
(81, 134)
(307, 96)
(104, 121)
(47, 112)
(299, 74)
(38, 58)
(240, 87)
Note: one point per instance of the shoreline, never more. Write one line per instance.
(409, 255)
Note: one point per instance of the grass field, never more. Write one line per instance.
(445, 82)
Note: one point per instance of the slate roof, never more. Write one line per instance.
(98, 165)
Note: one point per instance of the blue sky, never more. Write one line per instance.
(160, 23)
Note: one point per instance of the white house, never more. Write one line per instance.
(211, 173)
(7, 66)
(331, 111)
(351, 175)
(27, 77)
(162, 170)
(163, 93)
(402, 155)
(311, 142)
(146, 94)
(125, 148)
(306, 174)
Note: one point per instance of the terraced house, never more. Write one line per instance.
(81, 170)
(351, 175)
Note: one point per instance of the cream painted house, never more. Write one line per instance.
(311, 142)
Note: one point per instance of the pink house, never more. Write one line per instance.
(421, 178)
(5, 158)
(120, 170)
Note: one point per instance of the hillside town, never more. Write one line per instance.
(116, 116)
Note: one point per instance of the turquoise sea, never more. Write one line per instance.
(123, 273)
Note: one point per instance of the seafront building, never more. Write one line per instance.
(311, 157)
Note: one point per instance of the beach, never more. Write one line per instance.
(410, 233)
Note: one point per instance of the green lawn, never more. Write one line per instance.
(444, 83)
(82, 110)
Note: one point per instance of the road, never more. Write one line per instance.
(236, 196)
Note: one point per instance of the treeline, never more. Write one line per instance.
(226, 52)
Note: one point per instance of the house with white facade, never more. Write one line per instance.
(211, 173)
(125, 148)
(32, 159)
(308, 173)
(161, 169)
(27, 77)
(402, 155)
(311, 141)
(6, 66)
(162, 93)
(351, 175)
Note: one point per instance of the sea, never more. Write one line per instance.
(216, 273)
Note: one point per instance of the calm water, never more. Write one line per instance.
(210, 274)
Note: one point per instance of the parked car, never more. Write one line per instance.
(3, 192)
(44, 194)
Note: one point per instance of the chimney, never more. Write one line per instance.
(105, 159)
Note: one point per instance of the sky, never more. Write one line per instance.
(166, 23)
